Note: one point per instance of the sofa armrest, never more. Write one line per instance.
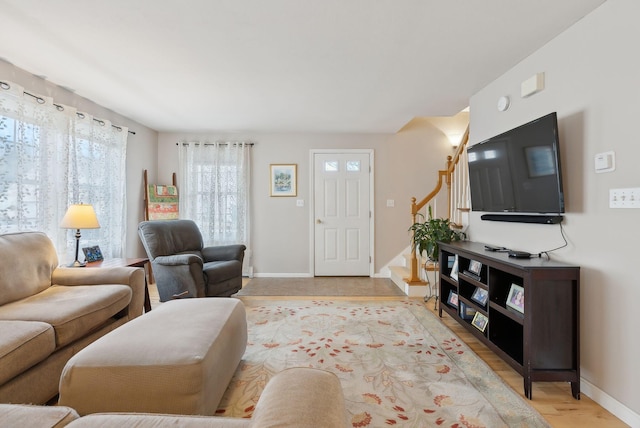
(223, 253)
(301, 397)
(133, 277)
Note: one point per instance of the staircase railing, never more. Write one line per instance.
(453, 201)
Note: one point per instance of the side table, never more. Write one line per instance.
(139, 262)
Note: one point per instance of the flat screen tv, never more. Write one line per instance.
(518, 171)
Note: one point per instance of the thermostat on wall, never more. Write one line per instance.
(605, 162)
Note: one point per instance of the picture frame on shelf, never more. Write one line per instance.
(480, 321)
(284, 179)
(466, 312)
(450, 260)
(453, 299)
(475, 267)
(480, 295)
(454, 269)
(515, 299)
(92, 254)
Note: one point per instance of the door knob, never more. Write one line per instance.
(318, 221)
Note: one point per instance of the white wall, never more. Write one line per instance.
(141, 147)
(405, 166)
(591, 74)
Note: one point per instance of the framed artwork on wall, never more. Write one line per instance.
(283, 179)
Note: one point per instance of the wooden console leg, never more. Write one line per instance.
(527, 388)
(575, 390)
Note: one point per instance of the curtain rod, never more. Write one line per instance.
(212, 144)
(40, 100)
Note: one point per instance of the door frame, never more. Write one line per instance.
(312, 205)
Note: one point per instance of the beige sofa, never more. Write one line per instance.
(296, 397)
(49, 313)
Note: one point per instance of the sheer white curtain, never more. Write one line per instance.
(52, 156)
(214, 191)
(97, 166)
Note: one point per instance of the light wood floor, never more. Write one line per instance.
(552, 399)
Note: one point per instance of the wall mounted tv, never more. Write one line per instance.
(518, 172)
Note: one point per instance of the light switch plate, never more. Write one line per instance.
(624, 198)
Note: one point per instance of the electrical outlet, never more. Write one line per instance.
(624, 198)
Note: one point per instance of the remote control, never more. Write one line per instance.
(493, 248)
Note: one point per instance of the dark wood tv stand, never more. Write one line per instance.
(543, 343)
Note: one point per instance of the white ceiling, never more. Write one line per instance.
(278, 65)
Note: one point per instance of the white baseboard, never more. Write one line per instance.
(282, 275)
(612, 405)
(386, 274)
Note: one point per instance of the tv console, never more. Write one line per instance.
(539, 337)
(524, 218)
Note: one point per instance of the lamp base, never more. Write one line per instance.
(77, 264)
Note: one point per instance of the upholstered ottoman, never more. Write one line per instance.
(176, 359)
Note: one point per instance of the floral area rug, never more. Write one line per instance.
(397, 363)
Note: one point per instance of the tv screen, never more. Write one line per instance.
(518, 171)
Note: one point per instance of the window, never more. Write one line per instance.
(51, 157)
(214, 190)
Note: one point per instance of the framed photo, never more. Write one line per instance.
(92, 254)
(515, 300)
(284, 180)
(453, 298)
(450, 260)
(475, 267)
(466, 312)
(454, 268)
(480, 321)
(480, 295)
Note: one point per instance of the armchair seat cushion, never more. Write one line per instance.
(72, 311)
(22, 345)
(222, 270)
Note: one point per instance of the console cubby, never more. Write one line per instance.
(539, 339)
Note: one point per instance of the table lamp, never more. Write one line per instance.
(79, 216)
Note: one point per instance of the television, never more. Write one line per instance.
(519, 172)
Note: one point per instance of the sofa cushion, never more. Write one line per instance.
(23, 415)
(73, 311)
(26, 262)
(23, 344)
(155, 420)
(317, 394)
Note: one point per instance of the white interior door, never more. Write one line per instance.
(342, 214)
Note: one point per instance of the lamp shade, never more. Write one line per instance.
(80, 216)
